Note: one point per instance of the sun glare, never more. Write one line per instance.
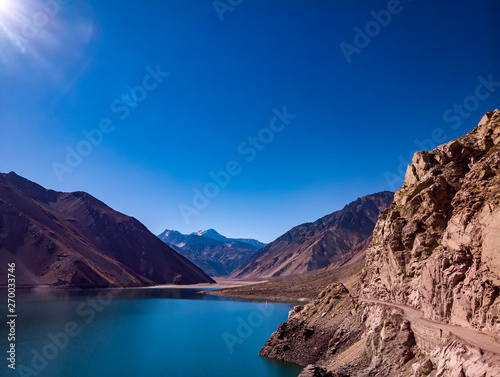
(15, 27)
(10, 33)
(6, 6)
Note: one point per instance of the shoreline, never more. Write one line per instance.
(298, 289)
(268, 298)
(219, 284)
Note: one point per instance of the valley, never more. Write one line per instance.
(392, 284)
(235, 188)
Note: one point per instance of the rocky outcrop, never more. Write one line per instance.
(437, 247)
(332, 241)
(74, 240)
(336, 335)
(434, 259)
(459, 360)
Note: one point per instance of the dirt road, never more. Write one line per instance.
(469, 336)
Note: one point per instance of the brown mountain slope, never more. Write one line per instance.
(331, 241)
(433, 260)
(73, 239)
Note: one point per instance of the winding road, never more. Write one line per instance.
(469, 336)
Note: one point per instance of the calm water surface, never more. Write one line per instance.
(142, 332)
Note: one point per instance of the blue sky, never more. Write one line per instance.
(356, 123)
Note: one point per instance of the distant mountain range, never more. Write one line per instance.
(75, 240)
(332, 241)
(216, 254)
(213, 234)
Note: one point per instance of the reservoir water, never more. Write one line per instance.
(147, 332)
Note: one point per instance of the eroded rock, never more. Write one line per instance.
(437, 247)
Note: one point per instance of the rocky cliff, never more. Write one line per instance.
(336, 335)
(332, 241)
(437, 247)
(426, 303)
(75, 240)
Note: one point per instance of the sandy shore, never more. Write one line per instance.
(220, 284)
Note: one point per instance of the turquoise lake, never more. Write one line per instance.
(142, 333)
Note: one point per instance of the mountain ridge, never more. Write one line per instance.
(76, 240)
(214, 253)
(213, 234)
(323, 243)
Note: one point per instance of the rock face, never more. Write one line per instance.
(338, 336)
(331, 241)
(437, 247)
(212, 252)
(75, 240)
(458, 359)
(435, 254)
(343, 337)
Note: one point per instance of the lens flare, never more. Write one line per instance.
(12, 18)
(5, 6)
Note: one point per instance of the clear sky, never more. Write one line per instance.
(69, 67)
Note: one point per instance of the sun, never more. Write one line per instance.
(7, 6)
(12, 18)
(10, 11)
